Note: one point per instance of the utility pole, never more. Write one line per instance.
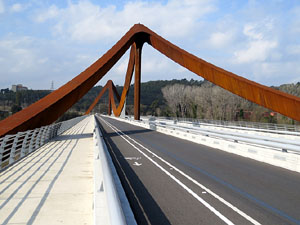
(52, 86)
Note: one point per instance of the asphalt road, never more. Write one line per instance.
(172, 181)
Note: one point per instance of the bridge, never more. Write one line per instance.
(111, 170)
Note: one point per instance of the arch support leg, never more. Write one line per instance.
(137, 81)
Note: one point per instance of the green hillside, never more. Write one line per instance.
(197, 99)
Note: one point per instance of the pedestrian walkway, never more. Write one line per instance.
(53, 185)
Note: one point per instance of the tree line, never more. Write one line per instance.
(173, 98)
(209, 101)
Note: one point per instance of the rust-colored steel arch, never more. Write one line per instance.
(112, 90)
(48, 109)
(51, 107)
(117, 110)
(275, 100)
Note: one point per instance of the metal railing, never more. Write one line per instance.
(16, 146)
(255, 125)
(279, 143)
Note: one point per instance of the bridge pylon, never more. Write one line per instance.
(51, 107)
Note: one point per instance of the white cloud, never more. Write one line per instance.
(256, 51)
(260, 43)
(18, 54)
(273, 71)
(293, 49)
(251, 32)
(220, 39)
(32, 62)
(84, 21)
(121, 68)
(294, 26)
(42, 60)
(2, 8)
(52, 12)
(17, 7)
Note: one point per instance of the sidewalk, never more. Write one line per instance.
(54, 185)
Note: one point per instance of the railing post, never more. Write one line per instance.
(56, 129)
(39, 137)
(24, 147)
(13, 148)
(53, 131)
(46, 134)
(32, 140)
(2, 149)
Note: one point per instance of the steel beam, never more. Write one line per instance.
(109, 104)
(51, 107)
(117, 110)
(275, 100)
(137, 80)
(97, 98)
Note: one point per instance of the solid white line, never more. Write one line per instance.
(216, 212)
(234, 208)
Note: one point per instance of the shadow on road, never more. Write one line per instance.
(144, 207)
(128, 132)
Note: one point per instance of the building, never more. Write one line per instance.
(18, 87)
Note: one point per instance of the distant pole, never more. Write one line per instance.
(52, 86)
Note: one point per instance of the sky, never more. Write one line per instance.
(55, 40)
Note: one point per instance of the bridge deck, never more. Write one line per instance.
(54, 185)
(174, 181)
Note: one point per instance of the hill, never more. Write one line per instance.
(153, 100)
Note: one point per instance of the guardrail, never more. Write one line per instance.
(281, 144)
(277, 143)
(15, 147)
(255, 125)
(222, 124)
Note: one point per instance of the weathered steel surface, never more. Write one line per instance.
(117, 110)
(48, 109)
(137, 81)
(109, 105)
(112, 93)
(278, 101)
(51, 107)
(275, 100)
(97, 99)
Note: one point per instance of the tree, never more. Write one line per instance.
(153, 107)
(15, 108)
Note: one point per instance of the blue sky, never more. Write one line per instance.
(55, 40)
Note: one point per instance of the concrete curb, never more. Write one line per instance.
(111, 205)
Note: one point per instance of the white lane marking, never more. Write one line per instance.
(137, 164)
(234, 208)
(216, 212)
(133, 158)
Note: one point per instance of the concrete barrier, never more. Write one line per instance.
(111, 205)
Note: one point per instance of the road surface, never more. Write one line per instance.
(172, 181)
